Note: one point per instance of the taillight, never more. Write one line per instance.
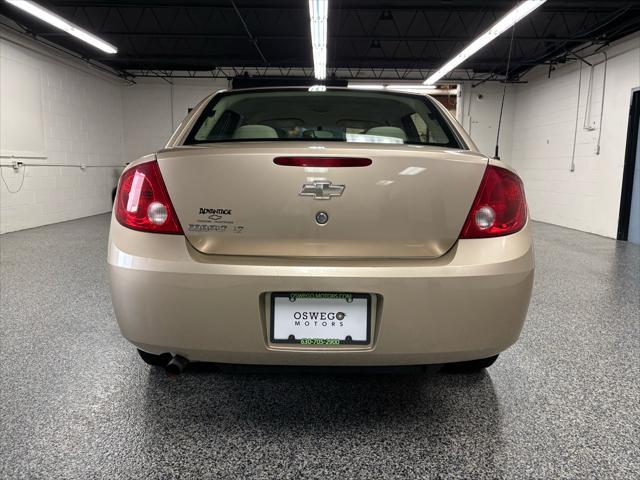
(143, 203)
(499, 208)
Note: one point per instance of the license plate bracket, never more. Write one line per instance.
(320, 318)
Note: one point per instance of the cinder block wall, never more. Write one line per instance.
(89, 118)
(82, 123)
(587, 198)
(538, 135)
(153, 109)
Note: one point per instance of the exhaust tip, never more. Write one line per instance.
(177, 365)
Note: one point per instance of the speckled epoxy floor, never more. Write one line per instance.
(76, 401)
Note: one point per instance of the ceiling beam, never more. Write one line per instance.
(425, 6)
(284, 36)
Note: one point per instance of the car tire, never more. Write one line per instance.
(155, 360)
(471, 366)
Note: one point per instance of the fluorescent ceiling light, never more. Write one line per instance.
(509, 20)
(59, 22)
(409, 86)
(404, 87)
(366, 86)
(424, 89)
(318, 14)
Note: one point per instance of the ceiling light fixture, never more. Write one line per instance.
(318, 15)
(59, 22)
(505, 23)
(404, 87)
(366, 86)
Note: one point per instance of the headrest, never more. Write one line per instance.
(394, 132)
(317, 134)
(255, 132)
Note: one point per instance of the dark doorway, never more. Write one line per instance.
(629, 219)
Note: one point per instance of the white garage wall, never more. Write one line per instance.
(81, 124)
(538, 132)
(479, 111)
(153, 109)
(588, 198)
(86, 117)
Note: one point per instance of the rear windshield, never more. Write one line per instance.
(332, 115)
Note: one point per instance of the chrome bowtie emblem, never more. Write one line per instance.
(322, 190)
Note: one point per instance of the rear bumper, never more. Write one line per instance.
(470, 303)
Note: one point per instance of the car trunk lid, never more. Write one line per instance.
(232, 198)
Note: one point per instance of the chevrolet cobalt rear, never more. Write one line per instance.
(337, 227)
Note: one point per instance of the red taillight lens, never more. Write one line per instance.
(322, 162)
(499, 208)
(143, 203)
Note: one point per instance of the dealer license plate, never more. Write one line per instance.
(315, 318)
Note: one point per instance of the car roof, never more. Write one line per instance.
(328, 87)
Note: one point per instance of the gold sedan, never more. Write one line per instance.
(301, 227)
